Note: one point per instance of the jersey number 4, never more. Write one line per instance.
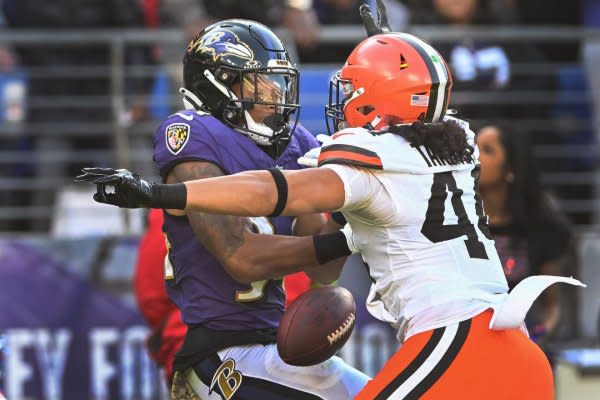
(434, 228)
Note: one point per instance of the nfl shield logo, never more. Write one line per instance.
(177, 136)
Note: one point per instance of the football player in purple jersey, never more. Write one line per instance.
(241, 97)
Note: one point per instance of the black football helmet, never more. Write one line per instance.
(249, 54)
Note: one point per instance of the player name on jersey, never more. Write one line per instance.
(433, 160)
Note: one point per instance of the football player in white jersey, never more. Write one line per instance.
(404, 175)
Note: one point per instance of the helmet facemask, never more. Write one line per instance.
(342, 94)
(339, 91)
(264, 103)
(260, 102)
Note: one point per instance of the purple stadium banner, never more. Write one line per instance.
(66, 336)
(69, 327)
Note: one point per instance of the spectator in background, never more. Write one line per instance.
(338, 12)
(552, 13)
(590, 55)
(12, 98)
(525, 82)
(483, 69)
(477, 65)
(70, 104)
(189, 15)
(7, 58)
(297, 16)
(345, 12)
(531, 236)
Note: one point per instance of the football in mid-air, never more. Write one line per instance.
(316, 325)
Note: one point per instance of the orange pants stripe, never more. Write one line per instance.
(465, 361)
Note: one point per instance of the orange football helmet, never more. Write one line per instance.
(388, 79)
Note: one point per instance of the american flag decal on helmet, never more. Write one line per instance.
(419, 100)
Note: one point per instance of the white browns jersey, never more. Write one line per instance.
(418, 222)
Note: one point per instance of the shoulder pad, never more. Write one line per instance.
(352, 146)
(185, 136)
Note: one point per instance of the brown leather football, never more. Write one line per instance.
(316, 325)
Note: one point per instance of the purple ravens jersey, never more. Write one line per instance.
(196, 282)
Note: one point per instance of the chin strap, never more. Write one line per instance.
(264, 134)
(190, 100)
(372, 126)
(258, 132)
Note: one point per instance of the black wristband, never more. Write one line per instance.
(169, 196)
(330, 246)
(338, 218)
(282, 191)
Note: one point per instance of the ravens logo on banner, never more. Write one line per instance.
(177, 136)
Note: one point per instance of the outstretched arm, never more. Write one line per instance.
(244, 194)
(255, 193)
(251, 194)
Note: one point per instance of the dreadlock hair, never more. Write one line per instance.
(446, 140)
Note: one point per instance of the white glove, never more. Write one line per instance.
(311, 158)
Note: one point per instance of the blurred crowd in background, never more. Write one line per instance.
(59, 114)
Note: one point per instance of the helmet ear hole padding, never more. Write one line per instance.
(227, 76)
(365, 110)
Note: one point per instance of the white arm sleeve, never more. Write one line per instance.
(365, 195)
(356, 184)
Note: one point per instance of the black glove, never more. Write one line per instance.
(130, 190)
(373, 27)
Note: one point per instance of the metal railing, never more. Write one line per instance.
(125, 150)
